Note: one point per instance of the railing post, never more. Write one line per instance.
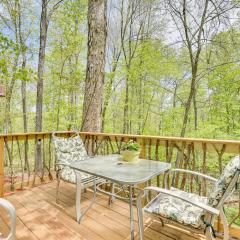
(143, 153)
(1, 166)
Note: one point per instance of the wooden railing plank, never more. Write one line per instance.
(232, 146)
(1, 166)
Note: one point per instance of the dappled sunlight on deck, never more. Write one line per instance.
(39, 217)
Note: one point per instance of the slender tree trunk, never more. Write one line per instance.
(41, 62)
(109, 90)
(94, 83)
(7, 118)
(23, 84)
(106, 102)
(174, 108)
(188, 107)
(227, 118)
(9, 92)
(71, 95)
(126, 109)
(71, 106)
(58, 102)
(24, 111)
(195, 111)
(140, 105)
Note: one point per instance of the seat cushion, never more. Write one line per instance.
(69, 150)
(68, 174)
(177, 209)
(225, 179)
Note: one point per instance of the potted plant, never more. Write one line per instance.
(130, 151)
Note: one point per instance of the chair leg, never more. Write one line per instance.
(208, 234)
(58, 184)
(111, 198)
(140, 218)
(225, 225)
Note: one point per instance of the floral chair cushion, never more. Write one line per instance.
(68, 174)
(69, 150)
(179, 210)
(222, 184)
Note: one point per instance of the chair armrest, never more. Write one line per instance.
(62, 164)
(179, 196)
(12, 213)
(190, 172)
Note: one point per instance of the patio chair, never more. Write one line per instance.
(67, 151)
(12, 215)
(189, 210)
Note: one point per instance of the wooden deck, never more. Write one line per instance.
(39, 217)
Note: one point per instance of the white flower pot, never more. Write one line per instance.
(130, 156)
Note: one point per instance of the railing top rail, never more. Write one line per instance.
(39, 135)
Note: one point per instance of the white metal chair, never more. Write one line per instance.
(69, 150)
(12, 215)
(189, 210)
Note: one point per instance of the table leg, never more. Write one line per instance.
(140, 215)
(78, 195)
(131, 212)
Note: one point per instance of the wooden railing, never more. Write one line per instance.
(19, 169)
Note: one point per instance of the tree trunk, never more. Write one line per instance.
(188, 107)
(190, 99)
(24, 111)
(140, 105)
(9, 93)
(195, 111)
(41, 62)
(106, 101)
(7, 117)
(126, 110)
(108, 90)
(23, 84)
(94, 83)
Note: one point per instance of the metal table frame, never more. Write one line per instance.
(131, 184)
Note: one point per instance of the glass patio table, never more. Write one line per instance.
(112, 168)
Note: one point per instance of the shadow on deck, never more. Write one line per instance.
(39, 217)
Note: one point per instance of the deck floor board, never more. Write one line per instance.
(40, 217)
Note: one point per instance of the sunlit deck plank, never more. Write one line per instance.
(40, 217)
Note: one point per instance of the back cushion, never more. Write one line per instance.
(226, 177)
(69, 150)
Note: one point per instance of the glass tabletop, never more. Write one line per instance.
(112, 167)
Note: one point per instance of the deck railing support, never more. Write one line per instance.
(1, 165)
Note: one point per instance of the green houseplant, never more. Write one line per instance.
(130, 151)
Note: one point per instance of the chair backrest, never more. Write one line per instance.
(226, 183)
(70, 149)
(12, 214)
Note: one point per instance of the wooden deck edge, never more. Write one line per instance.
(27, 184)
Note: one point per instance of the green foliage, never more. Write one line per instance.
(7, 48)
(231, 213)
(65, 75)
(130, 146)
